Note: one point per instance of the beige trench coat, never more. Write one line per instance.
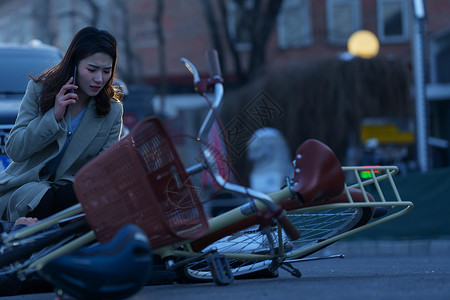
(36, 138)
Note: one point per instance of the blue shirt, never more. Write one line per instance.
(52, 165)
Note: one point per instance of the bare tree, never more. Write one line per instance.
(41, 16)
(95, 8)
(127, 72)
(211, 19)
(161, 51)
(90, 19)
(256, 19)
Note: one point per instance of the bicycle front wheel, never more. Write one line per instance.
(20, 253)
(250, 251)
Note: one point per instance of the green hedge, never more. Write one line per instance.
(430, 217)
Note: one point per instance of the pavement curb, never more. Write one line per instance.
(389, 247)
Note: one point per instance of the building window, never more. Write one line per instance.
(343, 19)
(440, 58)
(392, 21)
(294, 24)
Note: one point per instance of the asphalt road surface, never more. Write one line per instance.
(423, 275)
(349, 278)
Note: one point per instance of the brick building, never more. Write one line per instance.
(305, 29)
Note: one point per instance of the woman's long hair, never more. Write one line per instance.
(86, 42)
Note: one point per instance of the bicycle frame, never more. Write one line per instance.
(234, 216)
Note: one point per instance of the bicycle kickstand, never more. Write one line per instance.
(285, 266)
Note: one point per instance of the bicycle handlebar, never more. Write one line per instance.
(213, 63)
(191, 69)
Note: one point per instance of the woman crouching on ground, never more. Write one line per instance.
(69, 114)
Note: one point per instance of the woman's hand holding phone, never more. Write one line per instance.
(65, 97)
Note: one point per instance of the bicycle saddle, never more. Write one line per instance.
(317, 173)
(114, 270)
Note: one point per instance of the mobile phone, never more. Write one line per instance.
(74, 82)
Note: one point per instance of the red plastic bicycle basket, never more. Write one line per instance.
(141, 180)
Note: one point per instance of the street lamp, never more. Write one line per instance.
(419, 85)
(363, 43)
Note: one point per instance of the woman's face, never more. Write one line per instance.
(93, 73)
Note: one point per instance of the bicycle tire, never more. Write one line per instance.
(315, 225)
(24, 248)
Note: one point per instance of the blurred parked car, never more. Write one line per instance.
(137, 104)
(16, 62)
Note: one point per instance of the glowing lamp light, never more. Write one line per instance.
(363, 43)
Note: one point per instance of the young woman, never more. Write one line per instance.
(69, 114)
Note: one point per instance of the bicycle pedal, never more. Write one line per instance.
(220, 269)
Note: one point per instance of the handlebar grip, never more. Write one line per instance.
(213, 62)
(288, 227)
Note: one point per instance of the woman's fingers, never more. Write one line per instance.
(68, 86)
(63, 99)
(63, 95)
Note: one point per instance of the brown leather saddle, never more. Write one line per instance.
(318, 173)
